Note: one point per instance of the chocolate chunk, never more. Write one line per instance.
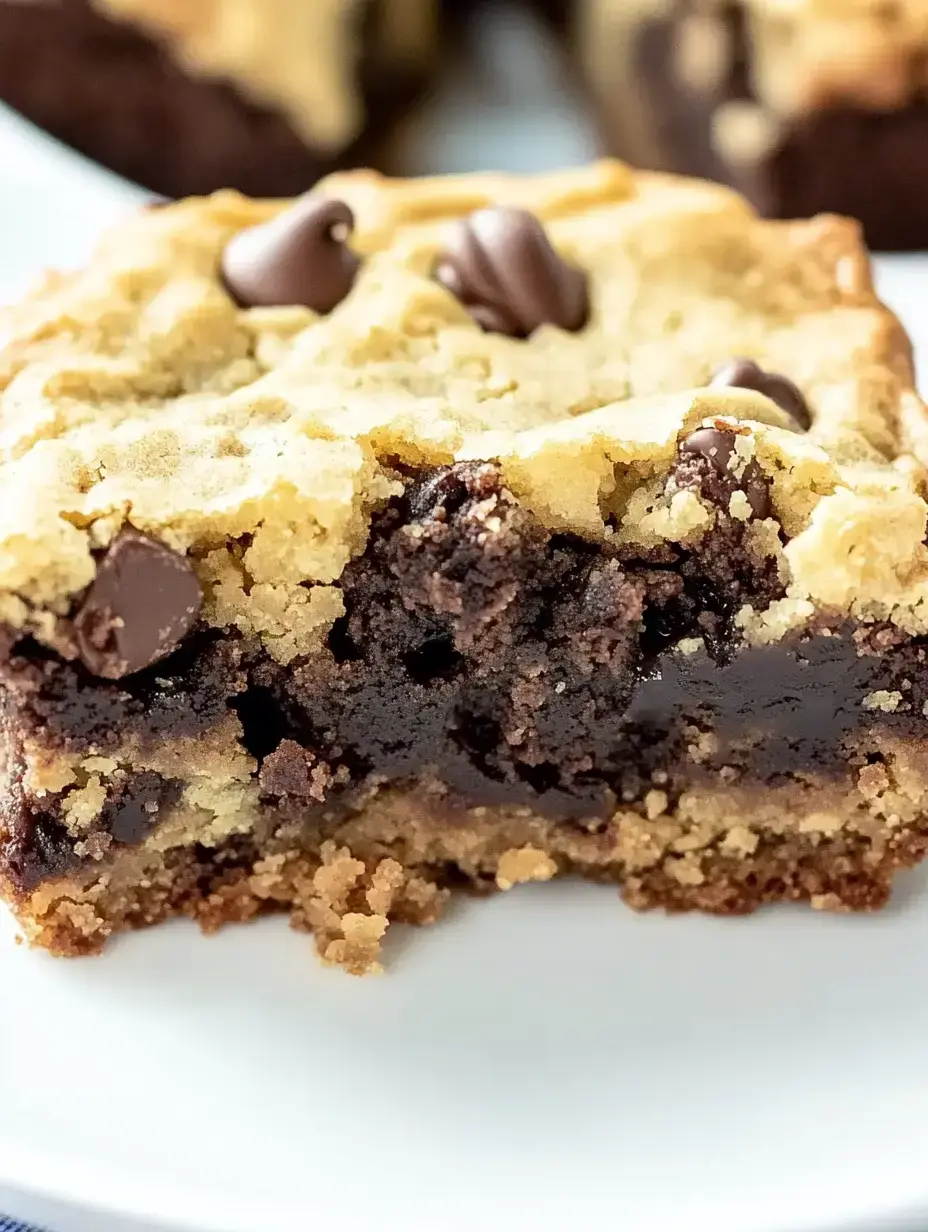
(131, 815)
(35, 845)
(301, 257)
(143, 601)
(716, 446)
(500, 264)
(744, 373)
(448, 488)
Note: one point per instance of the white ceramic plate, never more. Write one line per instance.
(543, 1061)
(546, 1061)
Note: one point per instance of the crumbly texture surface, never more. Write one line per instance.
(347, 897)
(139, 391)
(833, 841)
(477, 608)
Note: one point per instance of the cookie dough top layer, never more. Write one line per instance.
(299, 55)
(259, 440)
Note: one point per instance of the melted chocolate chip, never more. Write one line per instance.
(35, 844)
(502, 267)
(144, 599)
(301, 257)
(131, 814)
(742, 373)
(716, 446)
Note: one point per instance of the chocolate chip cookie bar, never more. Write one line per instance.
(186, 96)
(804, 105)
(449, 533)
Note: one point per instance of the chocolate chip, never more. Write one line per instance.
(742, 373)
(716, 446)
(144, 599)
(301, 257)
(500, 264)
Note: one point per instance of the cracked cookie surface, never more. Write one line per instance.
(139, 392)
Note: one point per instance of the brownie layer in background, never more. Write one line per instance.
(122, 98)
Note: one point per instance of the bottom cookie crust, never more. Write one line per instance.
(399, 860)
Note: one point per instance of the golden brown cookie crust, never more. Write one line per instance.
(834, 846)
(139, 391)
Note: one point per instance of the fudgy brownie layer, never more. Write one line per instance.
(120, 98)
(515, 667)
(853, 161)
(71, 711)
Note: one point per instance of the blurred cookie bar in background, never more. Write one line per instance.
(803, 105)
(185, 96)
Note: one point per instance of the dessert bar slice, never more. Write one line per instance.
(186, 96)
(458, 532)
(805, 105)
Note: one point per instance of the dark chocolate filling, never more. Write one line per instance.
(536, 669)
(513, 665)
(183, 695)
